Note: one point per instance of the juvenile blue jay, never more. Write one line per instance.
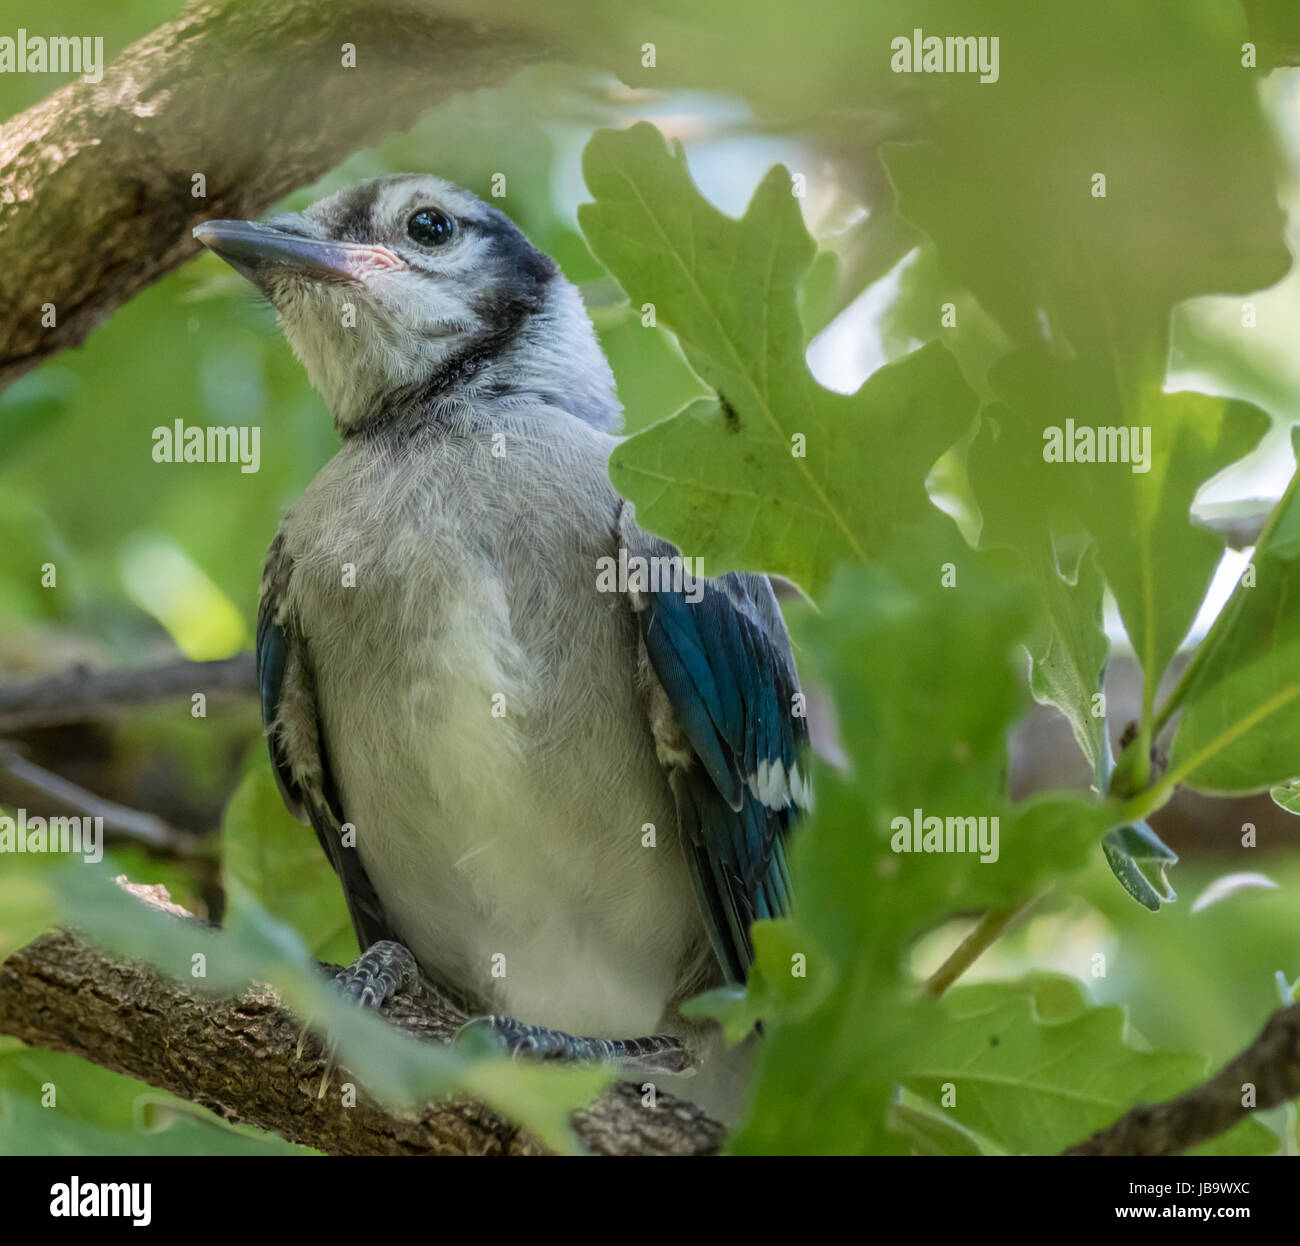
(566, 804)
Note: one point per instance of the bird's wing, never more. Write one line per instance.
(724, 665)
(299, 758)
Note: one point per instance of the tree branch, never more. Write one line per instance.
(1271, 1064)
(81, 695)
(236, 1056)
(256, 98)
(120, 823)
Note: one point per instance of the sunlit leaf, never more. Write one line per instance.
(775, 473)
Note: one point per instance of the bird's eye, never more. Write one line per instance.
(430, 227)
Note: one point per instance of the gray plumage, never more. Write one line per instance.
(445, 675)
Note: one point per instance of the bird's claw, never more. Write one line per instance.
(656, 1053)
(379, 973)
(519, 1040)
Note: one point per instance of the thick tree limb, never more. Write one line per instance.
(1271, 1064)
(255, 97)
(81, 695)
(237, 1058)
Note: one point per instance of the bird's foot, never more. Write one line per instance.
(380, 972)
(655, 1053)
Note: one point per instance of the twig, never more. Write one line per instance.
(990, 928)
(237, 1057)
(80, 695)
(120, 822)
(1271, 1065)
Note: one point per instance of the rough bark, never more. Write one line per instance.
(253, 96)
(237, 1057)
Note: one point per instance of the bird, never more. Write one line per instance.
(557, 788)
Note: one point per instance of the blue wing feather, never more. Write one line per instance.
(724, 663)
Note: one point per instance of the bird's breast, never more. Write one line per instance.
(483, 719)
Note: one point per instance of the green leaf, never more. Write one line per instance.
(1034, 1079)
(1228, 885)
(653, 378)
(930, 1132)
(27, 900)
(1241, 711)
(790, 976)
(280, 863)
(1055, 996)
(1135, 510)
(1138, 857)
(26, 1128)
(816, 298)
(775, 473)
(52, 1103)
(1287, 796)
(31, 404)
(738, 1009)
(1068, 647)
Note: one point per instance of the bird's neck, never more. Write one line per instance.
(551, 357)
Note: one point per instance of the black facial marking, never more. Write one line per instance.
(515, 279)
(520, 277)
(522, 264)
(353, 219)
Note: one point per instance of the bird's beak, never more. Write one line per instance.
(257, 251)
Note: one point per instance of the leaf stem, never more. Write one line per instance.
(991, 927)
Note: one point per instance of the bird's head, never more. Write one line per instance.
(407, 287)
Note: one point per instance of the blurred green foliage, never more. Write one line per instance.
(57, 1104)
(278, 862)
(1026, 298)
